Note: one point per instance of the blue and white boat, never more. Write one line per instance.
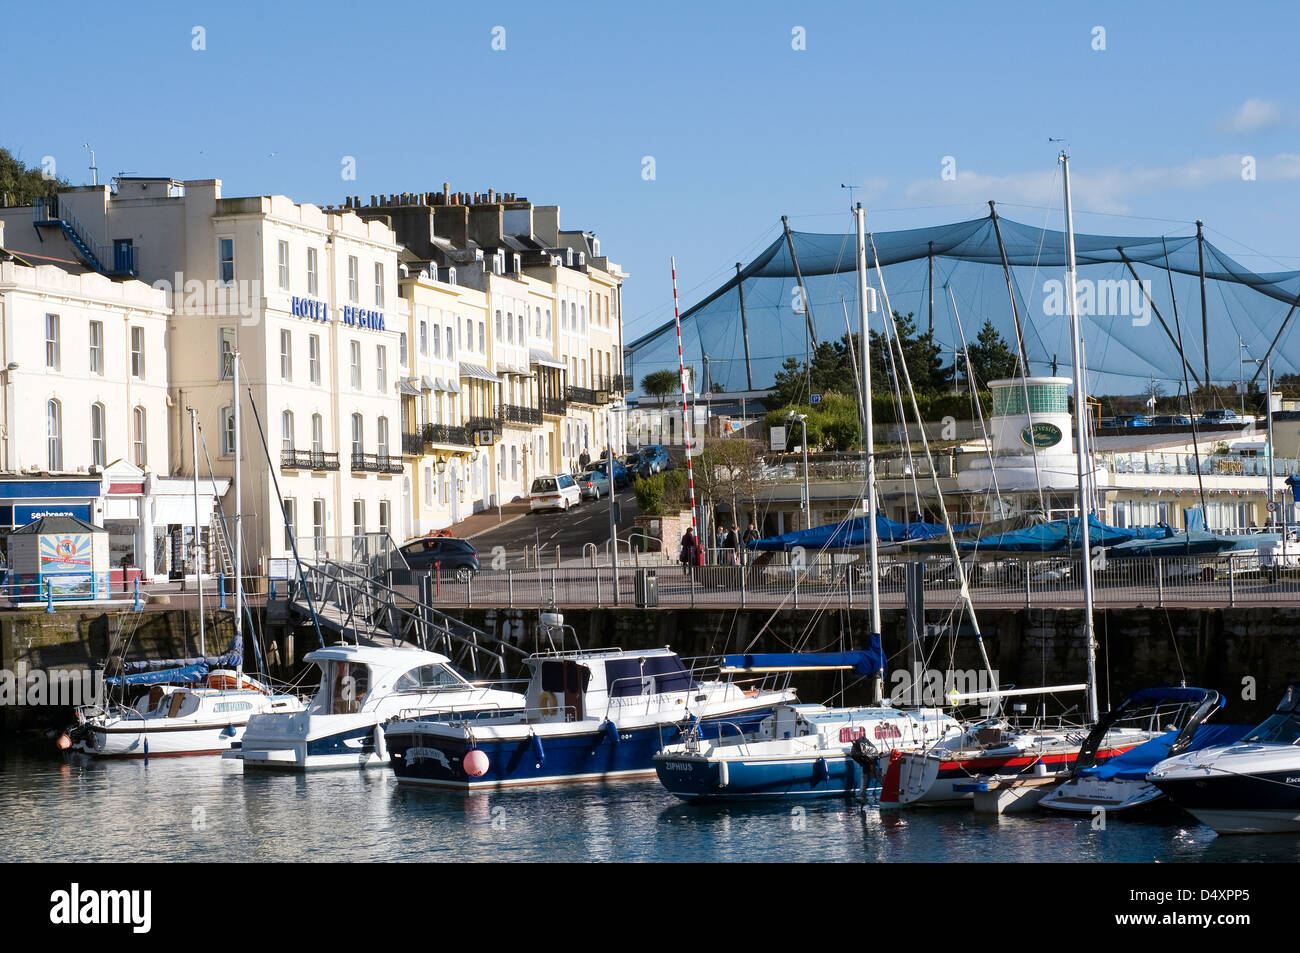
(1120, 783)
(590, 715)
(362, 686)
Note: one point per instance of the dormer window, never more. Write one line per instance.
(517, 263)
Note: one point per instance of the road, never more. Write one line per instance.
(588, 523)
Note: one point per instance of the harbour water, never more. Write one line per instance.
(203, 809)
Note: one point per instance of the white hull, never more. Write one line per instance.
(114, 742)
(1249, 821)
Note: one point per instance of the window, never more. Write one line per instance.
(564, 315)
(52, 341)
(226, 260)
(424, 338)
(500, 336)
(317, 433)
(381, 440)
(227, 350)
(227, 431)
(402, 357)
(358, 435)
(381, 367)
(358, 517)
(54, 434)
(286, 430)
(98, 455)
(140, 437)
(510, 328)
(353, 279)
(384, 526)
(451, 350)
(137, 353)
(313, 358)
(379, 284)
(284, 266)
(318, 523)
(469, 334)
(428, 486)
(482, 338)
(521, 329)
(290, 521)
(97, 348)
(311, 271)
(286, 355)
(514, 463)
(355, 347)
(548, 324)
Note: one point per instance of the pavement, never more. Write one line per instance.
(489, 519)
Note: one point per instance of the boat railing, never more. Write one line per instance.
(432, 714)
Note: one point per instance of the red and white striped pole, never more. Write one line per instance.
(686, 425)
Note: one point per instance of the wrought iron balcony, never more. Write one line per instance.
(494, 424)
(375, 463)
(553, 406)
(308, 460)
(445, 434)
(412, 444)
(514, 414)
(613, 384)
(581, 395)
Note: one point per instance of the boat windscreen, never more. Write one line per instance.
(647, 676)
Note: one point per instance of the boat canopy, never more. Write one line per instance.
(1049, 536)
(866, 661)
(165, 676)
(852, 533)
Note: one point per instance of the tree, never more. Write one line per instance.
(20, 185)
(922, 355)
(660, 384)
(991, 357)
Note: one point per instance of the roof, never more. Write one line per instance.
(57, 524)
(388, 657)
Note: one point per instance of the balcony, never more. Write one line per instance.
(375, 463)
(553, 406)
(529, 416)
(412, 444)
(308, 460)
(612, 384)
(444, 434)
(583, 395)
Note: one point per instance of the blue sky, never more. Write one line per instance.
(742, 127)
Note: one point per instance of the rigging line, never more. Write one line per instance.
(1253, 251)
(943, 508)
(1196, 444)
(221, 511)
(1136, 218)
(970, 372)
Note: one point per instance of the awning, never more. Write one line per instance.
(405, 387)
(428, 383)
(453, 385)
(478, 371)
(536, 356)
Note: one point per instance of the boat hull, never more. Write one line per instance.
(1264, 802)
(131, 741)
(696, 779)
(432, 754)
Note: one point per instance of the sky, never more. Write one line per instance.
(687, 130)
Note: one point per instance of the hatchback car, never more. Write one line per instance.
(1171, 420)
(444, 555)
(1219, 415)
(554, 492)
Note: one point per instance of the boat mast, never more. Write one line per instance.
(198, 548)
(1081, 442)
(868, 438)
(686, 421)
(239, 510)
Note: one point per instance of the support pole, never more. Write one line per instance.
(1151, 301)
(798, 275)
(744, 328)
(1205, 324)
(686, 422)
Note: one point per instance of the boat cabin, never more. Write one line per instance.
(355, 678)
(602, 683)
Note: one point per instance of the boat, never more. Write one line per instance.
(201, 719)
(1250, 787)
(596, 714)
(362, 686)
(800, 750)
(1121, 784)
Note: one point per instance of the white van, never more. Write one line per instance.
(557, 492)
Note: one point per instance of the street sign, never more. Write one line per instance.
(814, 398)
(1273, 507)
(778, 440)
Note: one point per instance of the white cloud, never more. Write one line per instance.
(1103, 190)
(1254, 115)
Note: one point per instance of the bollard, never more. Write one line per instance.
(221, 588)
(138, 606)
(49, 596)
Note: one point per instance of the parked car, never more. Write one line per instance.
(1219, 415)
(657, 456)
(1132, 420)
(637, 465)
(442, 554)
(594, 482)
(554, 492)
(1171, 420)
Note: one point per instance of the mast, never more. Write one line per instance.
(744, 328)
(1081, 442)
(686, 422)
(1205, 326)
(198, 549)
(239, 510)
(868, 438)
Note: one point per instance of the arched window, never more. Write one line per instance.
(286, 430)
(54, 434)
(98, 453)
(140, 437)
(317, 434)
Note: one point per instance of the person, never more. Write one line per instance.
(731, 547)
(690, 551)
(584, 458)
(719, 542)
(752, 535)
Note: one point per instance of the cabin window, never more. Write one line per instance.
(348, 682)
(429, 678)
(646, 676)
(223, 707)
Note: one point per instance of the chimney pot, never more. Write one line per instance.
(374, 200)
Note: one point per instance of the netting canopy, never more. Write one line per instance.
(1137, 295)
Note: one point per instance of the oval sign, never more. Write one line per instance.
(1041, 436)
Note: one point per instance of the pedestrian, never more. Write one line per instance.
(752, 535)
(690, 551)
(583, 459)
(719, 542)
(731, 546)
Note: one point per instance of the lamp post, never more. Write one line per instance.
(807, 500)
(1268, 458)
(613, 492)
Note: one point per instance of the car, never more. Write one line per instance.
(621, 477)
(554, 492)
(1171, 420)
(1132, 420)
(594, 482)
(637, 465)
(657, 456)
(442, 554)
(1219, 415)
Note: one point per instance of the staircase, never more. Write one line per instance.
(222, 549)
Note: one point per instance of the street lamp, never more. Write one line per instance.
(807, 501)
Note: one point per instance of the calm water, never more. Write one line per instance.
(206, 809)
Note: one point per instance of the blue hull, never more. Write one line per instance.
(584, 754)
(697, 780)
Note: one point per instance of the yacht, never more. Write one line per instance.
(362, 686)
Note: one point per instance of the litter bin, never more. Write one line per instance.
(646, 589)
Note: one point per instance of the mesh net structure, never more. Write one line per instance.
(1137, 295)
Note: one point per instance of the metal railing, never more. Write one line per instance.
(108, 257)
(839, 580)
(308, 460)
(523, 415)
(580, 395)
(1219, 464)
(446, 434)
(555, 406)
(375, 463)
(412, 444)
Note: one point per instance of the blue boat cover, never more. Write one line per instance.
(1051, 537)
(850, 534)
(866, 661)
(167, 676)
(1136, 763)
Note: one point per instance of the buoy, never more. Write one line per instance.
(64, 742)
(476, 763)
